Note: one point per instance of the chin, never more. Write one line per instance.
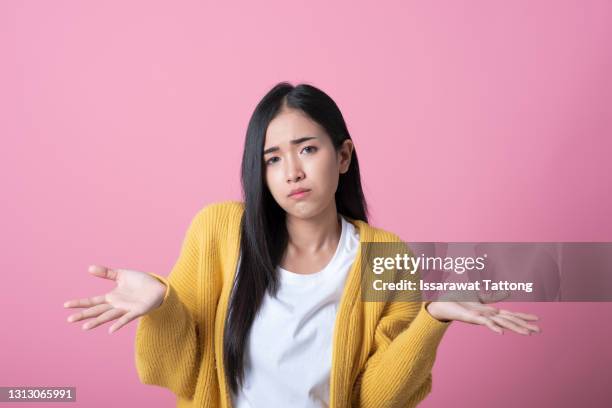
(303, 209)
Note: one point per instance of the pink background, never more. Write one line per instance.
(473, 121)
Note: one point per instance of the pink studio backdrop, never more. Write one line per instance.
(473, 121)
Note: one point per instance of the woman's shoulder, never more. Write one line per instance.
(370, 233)
(218, 214)
(225, 208)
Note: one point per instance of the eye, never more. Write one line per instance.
(269, 161)
(314, 149)
(272, 160)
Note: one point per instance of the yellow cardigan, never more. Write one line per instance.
(383, 352)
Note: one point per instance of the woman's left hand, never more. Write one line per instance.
(478, 313)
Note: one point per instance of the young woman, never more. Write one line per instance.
(263, 306)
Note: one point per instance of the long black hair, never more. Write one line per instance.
(264, 233)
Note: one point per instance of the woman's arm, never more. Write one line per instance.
(398, 372)
(168, 338)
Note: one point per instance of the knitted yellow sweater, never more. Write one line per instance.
(383, 352)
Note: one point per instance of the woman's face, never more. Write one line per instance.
(298, 153)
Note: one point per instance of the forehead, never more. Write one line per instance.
(290, 124)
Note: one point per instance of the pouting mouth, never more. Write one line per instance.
(297, 191)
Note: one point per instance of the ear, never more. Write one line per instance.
(345, 154)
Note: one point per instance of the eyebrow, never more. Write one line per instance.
(294, 141)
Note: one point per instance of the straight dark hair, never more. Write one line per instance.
(264, 233)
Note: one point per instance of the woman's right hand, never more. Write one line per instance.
(136, 294)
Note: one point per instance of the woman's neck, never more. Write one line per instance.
(312, 235)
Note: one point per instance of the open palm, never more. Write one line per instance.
(136, 294)
(478, 313)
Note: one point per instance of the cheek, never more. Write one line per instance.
(273, 180)
(324, 172)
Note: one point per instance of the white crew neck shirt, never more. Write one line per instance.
(289, 350)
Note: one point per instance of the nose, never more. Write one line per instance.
(294, 170)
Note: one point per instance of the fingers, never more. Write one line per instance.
(103, 318)
(494, 319)
(470, 314)
(485, 320)
(505, 321)
(103, 313)
(86, 302)
(103, 272)
(122, 321)
(524, 316)
(520, 322)
(481, 308)
(91, 312)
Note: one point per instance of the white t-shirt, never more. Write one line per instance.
(289, 349)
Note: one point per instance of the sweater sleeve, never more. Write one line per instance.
(167, 350)
(398, 371)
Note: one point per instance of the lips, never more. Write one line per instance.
(298, 191)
